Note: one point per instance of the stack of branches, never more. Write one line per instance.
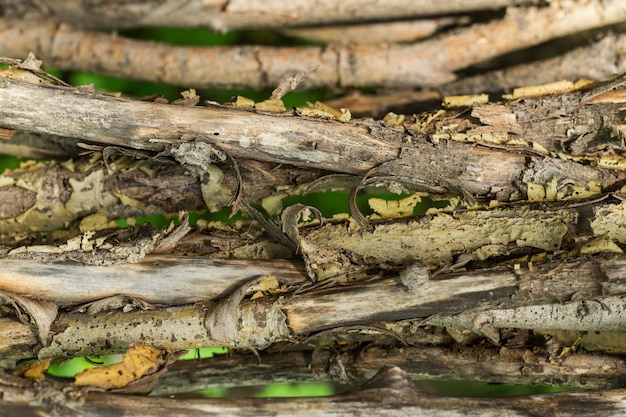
(514, 274)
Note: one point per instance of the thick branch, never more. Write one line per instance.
(390, 392)
(461, 363)
(222, 15)
(44, 197)
(581, 285)
(358, 146)
(428, 63)
(598, 61)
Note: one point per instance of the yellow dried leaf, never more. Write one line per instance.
(463, 101)
(393, 120)
(35, 370)
(139, 361)
(241, 102)
(275, 105)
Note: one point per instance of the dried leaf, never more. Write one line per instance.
(40, 313)
(35, 370)
(139, 361)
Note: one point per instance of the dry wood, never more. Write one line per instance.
(600, 60)
(51, 196)
(222, 15)
(492, 171)
(373, 33)
(551, 169)
(590, 291)
(391, 392)
(432, 62)
(502, 364)
(173, 280)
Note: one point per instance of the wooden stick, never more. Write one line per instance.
(428, 63)
(222, 15)
(391, 392)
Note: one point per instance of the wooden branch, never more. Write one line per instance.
(374, 33)
(428, 63)
(486, 294)
(225, 15)
(45, 197)
(391, 392)
(508, 365)
(173, 280)
(597, 61)
(488, 172)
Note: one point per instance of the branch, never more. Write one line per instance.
(492, 171)
(222, 15)
(502, 364)
(598, 61)
(428, 63)
(94, 194)
(390, 392)
(282, 314)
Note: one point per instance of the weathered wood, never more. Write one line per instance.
(223, 16)
(481, 362)
(492, 299)
(492, 170)
(158, 279)
(88, 194)
(390, 392)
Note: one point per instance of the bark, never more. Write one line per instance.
(447, 361)
(599, 60)
(481, 301)
(491, 171)
(390, 391)
(88, 194)
(519, 279)
(228, 15)
(429, 63)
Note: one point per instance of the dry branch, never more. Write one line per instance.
(501, 364)
(390, 392)
(428, 63)
(598, 61)
(222, 15)
(590, 291)
(411, 150)
(89, 194)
